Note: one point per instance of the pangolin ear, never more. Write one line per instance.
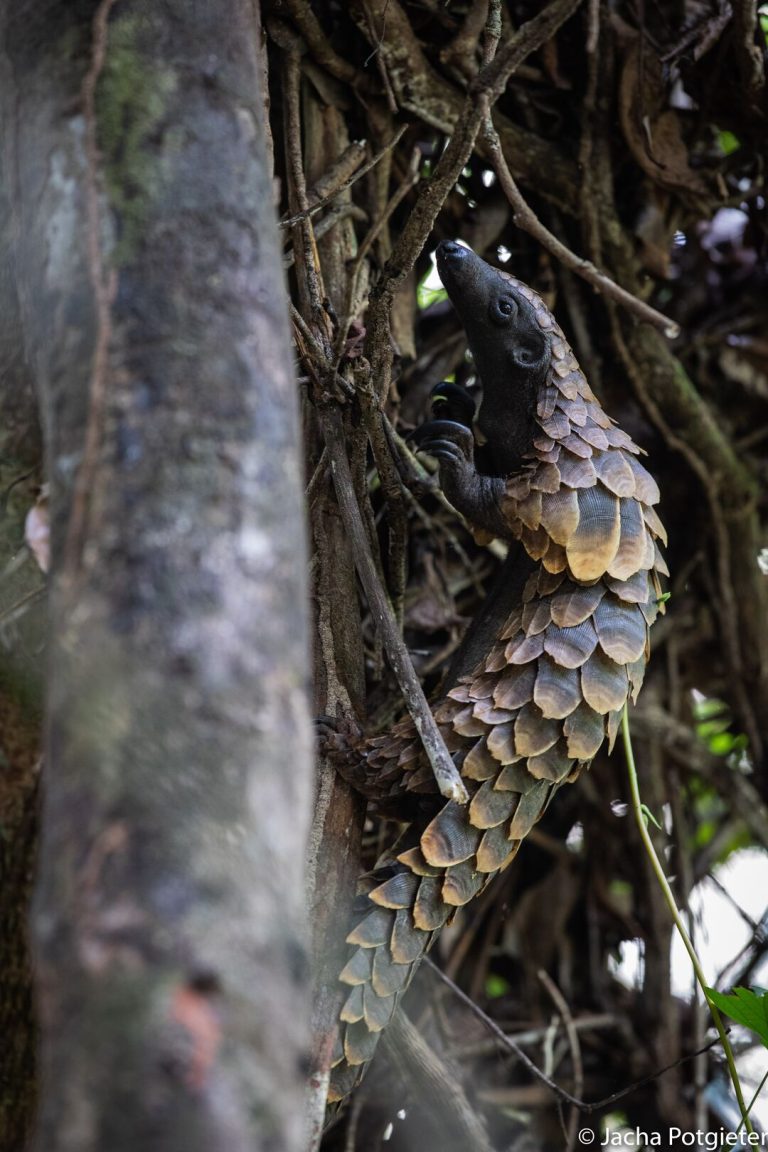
(532, 351)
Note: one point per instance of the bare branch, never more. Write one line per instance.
(448, 780)
(527, 219)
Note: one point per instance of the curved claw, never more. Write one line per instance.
(325, 725)
(336, 735)
(454, 402)
(443, 450)
(444, 429)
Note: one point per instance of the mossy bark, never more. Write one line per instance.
(169, 919)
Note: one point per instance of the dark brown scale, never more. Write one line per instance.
(567, 488)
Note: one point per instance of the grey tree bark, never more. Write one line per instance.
(169, 923)
(22, 633)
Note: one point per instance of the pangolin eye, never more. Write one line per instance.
(502, 309)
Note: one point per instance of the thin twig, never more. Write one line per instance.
(305, 249)
(340, 212)
(24, 603)
(753, 1101)
(712, 483)
(448, 780)
(315, 1106)
(430, 1078)
(317, 476)
(484, 90)
(590, 222)
(319, 353)
(104, 286)
(750, 57)
(525, 1059)
(493, 28)
(573, 1042)
(642, 825)
(350, 1139)
(334, 178)
(312, 208)
(374, 231)
(397, 519)
(402, 191)
(311, 29)
(527, 219)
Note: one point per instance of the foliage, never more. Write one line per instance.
(636, 136)
(746, 1007)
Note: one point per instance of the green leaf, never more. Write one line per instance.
(426, 296)
(728, 142)
(722, 744)
(708, 707)
(649, 816)
(705, 833)
(709, 728)
(496, 986)
(745, 1007)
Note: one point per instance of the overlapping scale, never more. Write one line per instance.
(555, 559)
(501, 744)
(449, 838)
(487, 712)
(570, 647)
(534, 732)
(577, 446)
(529, 809)
(575, 471)
(547, 478)
(522, 649)
(359, 1043)
(428, 908)
(377, 1008)
(654, 523)
(557, 690)
(595, 542)
(387, 976)
(490, 807)
(631, 552)
(621, 630)
(559, 515)
(615, 472)
(604, 683)
(541, 703)
(584, 732)
(397, 892)
(407, 941)
(479, 763)
(495, 850)
(461, 883)
(575, 603)
(358, 968)
(553, 765)
(646, 488)
(536, 617)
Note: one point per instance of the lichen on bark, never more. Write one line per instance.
(134, 130)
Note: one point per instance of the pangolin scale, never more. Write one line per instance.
(559, 476)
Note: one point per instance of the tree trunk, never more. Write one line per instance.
(22, 612)
(169, 920)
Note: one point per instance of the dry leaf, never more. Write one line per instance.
(37, 531)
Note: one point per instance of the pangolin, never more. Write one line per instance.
(563, 484)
